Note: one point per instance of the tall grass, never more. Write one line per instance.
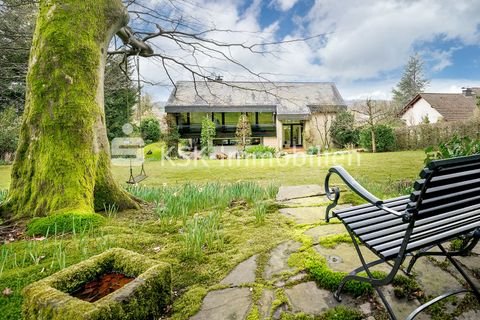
(3, 194)
(181, 202)
(202, 233)
(54, 249)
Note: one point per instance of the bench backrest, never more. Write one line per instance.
(446, 186)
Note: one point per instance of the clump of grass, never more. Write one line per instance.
(68, 222)
(202, 233)
(111, 210)
(3, 195)
(260, 212)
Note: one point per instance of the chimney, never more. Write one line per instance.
(467, 92)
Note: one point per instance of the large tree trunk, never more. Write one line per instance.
(63, 162)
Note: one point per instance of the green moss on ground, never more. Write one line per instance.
(332, 241)
(62, 223)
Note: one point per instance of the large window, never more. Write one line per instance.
(182, 119)
(231, 118)
(197, 117)
(265, 118)
(217, 118)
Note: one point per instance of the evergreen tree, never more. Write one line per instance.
(207, 135)
(171, 136)
(120, 96)
(413, 81)
(244, 131)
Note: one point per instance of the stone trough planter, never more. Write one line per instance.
(144, 297)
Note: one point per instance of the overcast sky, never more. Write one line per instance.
(362, 46)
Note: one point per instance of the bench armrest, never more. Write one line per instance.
(333, 194)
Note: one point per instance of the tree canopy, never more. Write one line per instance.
(412, 82)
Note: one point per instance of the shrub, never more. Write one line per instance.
(343, 131)
(64, 223)
(244, 131)
(384, 138)
(313, 150)
(150, 130)
(261, 151)
(455, 147)
(171, 136)
(207, 135)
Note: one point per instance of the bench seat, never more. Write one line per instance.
(383, 232)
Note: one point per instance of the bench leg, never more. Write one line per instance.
(433, 301)
(376, 283)
(469, 281)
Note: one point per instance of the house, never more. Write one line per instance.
(282, 114)
(435, 107)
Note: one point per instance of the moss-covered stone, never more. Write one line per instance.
(145, 297)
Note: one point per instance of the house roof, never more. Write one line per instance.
(292, 100)
(452, 106)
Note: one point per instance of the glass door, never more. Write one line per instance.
(287, 135)
(297, 135)
(292, 135)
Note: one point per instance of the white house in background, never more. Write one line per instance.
(435, 107)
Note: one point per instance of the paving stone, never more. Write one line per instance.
(308, 298)
(278, 261)
(344, 258)
(294, 192)
(402, 307)
(315, 201)
(469, 315)
(231, 303)
(305, 215)
(471, 262)
(366, 308)
(243, 273)
(265, 303)
(298, 277)
(432, 279)
(476, 249)
(325, 230)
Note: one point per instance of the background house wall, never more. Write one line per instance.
(317, 129)
(420, 110)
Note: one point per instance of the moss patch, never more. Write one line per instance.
(333, 240)
(61, 223)
(146, 296)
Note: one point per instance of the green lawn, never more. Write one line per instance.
(372, 167)
(290, 171)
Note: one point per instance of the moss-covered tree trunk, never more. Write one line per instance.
(62, 162)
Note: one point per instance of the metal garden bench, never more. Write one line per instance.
(445, 204)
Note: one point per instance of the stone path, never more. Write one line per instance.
(287, 290)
